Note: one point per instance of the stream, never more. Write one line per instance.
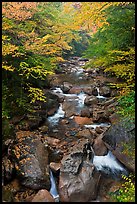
(81, 117)
(108, 165)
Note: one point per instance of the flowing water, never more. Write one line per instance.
(53, 189)
(107, 164)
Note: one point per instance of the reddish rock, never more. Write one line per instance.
(99, 147)
(82, 120)
(43, 196)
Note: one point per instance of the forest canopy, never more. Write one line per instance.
(36, 36)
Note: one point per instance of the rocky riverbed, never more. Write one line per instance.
(71, 147)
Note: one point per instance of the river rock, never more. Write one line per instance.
(55, 167)
(77, 174)
(75, 90)
(99, 147)
(82, 120)
(66, 87)
(88, 90)
(70, 107)
(85, 112)
(90, 100)
(29, 153)
(85, 133)
(43, 196)
(105, 91)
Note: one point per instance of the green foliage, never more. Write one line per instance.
(126, 105)
(36, 94)
(112, 46)
(127, 192)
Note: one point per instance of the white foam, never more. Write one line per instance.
(57, 90)
(93, 126)
(81, 97)
(55, 118)
(99, 96)
(108, 162)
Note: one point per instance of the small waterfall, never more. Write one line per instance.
(97, 125)
(99, 96)
(55, 118)
(109, 165)
(81, 97)
(53, 189)
(57, 90)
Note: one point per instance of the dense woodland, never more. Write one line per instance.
(37, 36)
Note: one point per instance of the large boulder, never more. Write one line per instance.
(70, 107)
(77, 174)
(99, 147)
(120, 139)
(28, 154)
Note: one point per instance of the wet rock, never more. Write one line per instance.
(52, 111)
(77, 174)
(82, 120)
(29, 153)
(55, 167)
(85, 134)
(88, 90)
(105, 91)
(66, 87)
(90, 100)
(52, 101)
(99, 147)
(70, 108)
(85, 112)
(76, 188)
(75, 90)
(43, 196)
